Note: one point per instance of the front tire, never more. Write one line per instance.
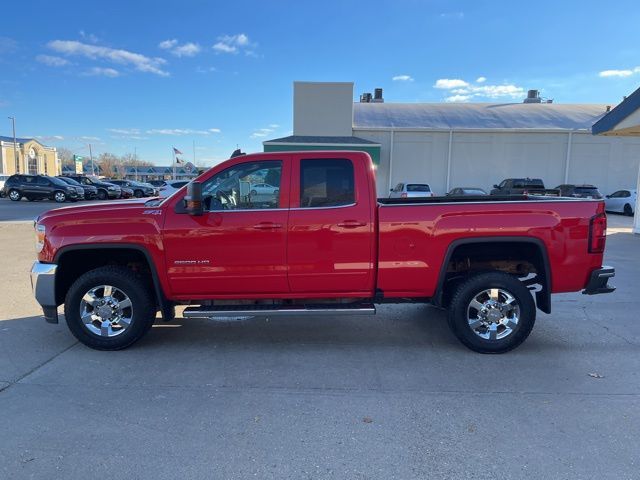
(109, 308)
(102, 195)
(628, 210)
(138, 194)
(60, 197)
(15, 195)
(492, 312)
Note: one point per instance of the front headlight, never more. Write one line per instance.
(111, 187)
(40, 234)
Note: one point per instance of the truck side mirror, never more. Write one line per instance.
(193, 199)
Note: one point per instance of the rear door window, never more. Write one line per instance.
(326, 183)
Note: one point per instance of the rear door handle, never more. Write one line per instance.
(267, 226)
(351, 224)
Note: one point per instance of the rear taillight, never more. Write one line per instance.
(403, 195)
(597, 233)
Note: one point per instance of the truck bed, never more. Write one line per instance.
(416, 237)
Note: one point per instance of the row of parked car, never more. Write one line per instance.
(81, 187)
(622, 201)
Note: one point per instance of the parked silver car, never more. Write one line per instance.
(622, 201)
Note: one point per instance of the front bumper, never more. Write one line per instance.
(43, 284)
(598, 281)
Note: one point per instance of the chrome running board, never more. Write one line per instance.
(278, 310)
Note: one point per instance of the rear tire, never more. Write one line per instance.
(504, 318)
(110, 334)
(628, 210)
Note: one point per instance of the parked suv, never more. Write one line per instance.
(139, 189)
(37, 187)
(522, 186)
(105, 190)
(411, 190)
(579, 191)
(90, 192)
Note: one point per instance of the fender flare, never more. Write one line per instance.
(165, 305)
(543, 297)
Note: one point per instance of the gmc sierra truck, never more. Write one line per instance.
(317, 243)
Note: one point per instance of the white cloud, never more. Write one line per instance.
(102, 72)
(457, 98)
(454, 15)
(89, 139)
(88, 36)
(188, 49)
(234, 44)
(263, 132)
(50, 138)
(138, 61)
(206, 69)
(462, 91)
(617, 73)
(125, 131)
(168, 44)
(8, 45)
(181, 131)
(52, 61)
(402, 78)
(448, 83)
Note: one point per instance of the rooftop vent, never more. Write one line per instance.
(366, 98)
(533, 96)
(377, 96)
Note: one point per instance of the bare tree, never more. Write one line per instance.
(66, 156)
(108, 163)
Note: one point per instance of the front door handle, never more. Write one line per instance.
(267, 226)
(351, 224)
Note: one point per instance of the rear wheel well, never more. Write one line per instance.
(74, 263)
(526, 260)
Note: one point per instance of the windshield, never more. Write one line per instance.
(70, 181)
(474, 191)
(57, 181)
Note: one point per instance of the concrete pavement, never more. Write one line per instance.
(391, 396)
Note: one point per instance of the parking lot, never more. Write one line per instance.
(391, 396)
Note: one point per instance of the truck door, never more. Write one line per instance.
(330, 244)
(238, 247)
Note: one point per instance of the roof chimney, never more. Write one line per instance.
(533, 96)
(365, 98)
(377, 96)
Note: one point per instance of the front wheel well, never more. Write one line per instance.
(75, 262)
(525, 259)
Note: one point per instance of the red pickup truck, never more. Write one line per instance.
(301, 233)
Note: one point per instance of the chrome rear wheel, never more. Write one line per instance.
(493, 314)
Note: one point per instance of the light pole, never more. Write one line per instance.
(15, 144)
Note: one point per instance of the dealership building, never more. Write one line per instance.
(32, 157)
(462, 144)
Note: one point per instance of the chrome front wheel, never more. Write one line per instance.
(106, 311)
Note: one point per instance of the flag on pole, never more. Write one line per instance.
(176, 151)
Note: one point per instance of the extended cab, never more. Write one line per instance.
(318, 243)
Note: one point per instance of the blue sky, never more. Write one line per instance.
(147, 75)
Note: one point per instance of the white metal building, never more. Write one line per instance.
(464, 144)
